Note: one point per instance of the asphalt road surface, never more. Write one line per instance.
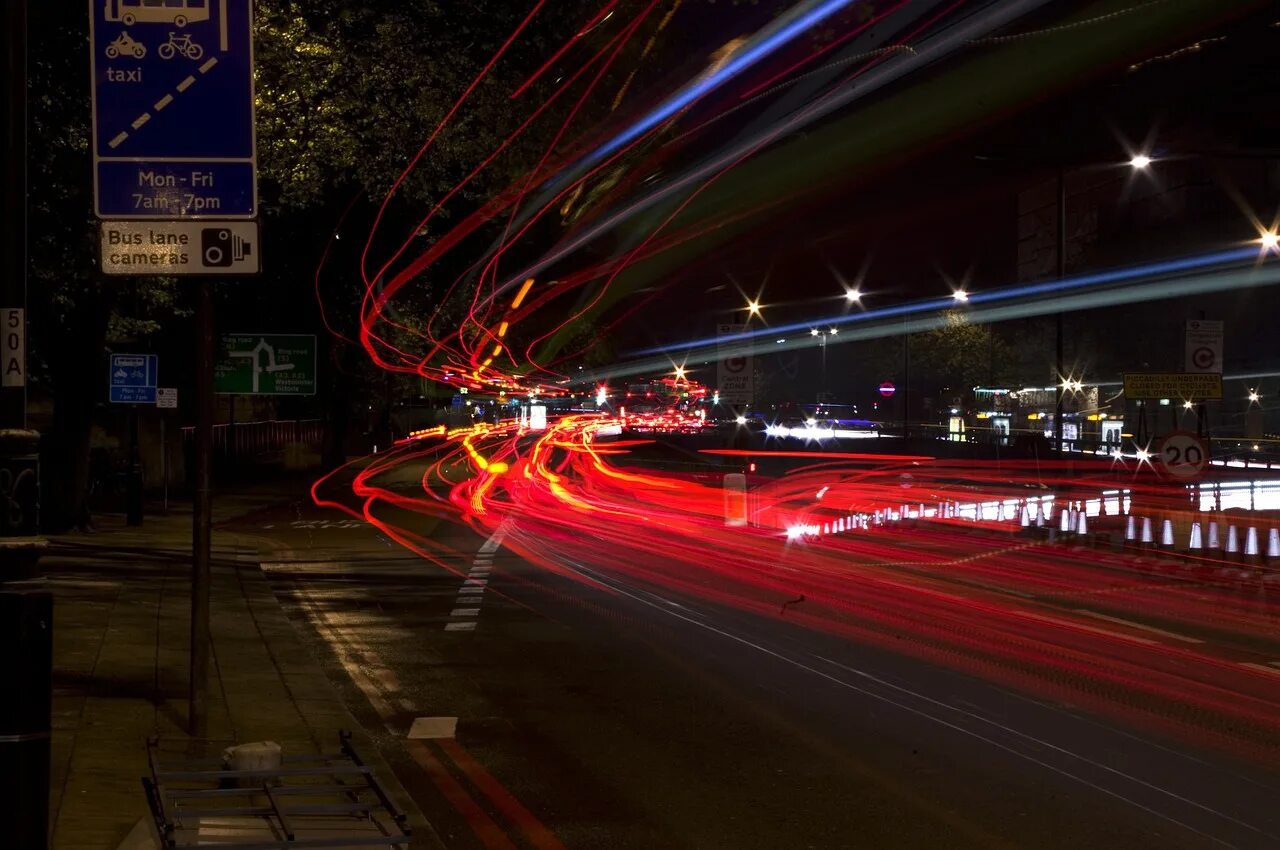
(597, 710)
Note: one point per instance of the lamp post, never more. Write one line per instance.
(822, 343)
(26, 604)
(1138, 162)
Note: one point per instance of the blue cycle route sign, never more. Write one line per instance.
(133, 378)
(173, 131)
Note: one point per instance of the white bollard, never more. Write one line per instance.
(1195, 544)
(1024, 517)
(1064, 522)
(1147, 538)
(1082, 524)
(1273, 544)
(1166, 534)
(735, 499)
(1213, 542)
(1233, 542)
(1130, 529)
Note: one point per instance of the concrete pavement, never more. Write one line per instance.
(120, 668)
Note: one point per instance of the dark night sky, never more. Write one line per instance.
(952, 211)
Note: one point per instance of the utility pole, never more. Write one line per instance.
(906, 378)
(26, 605)
(202, 516)
(1059, 389)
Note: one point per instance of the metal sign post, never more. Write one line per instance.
(132, 378)
(175, 182)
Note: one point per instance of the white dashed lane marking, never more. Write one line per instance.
(470, 595)
(160, 104)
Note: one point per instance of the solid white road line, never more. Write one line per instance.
(1134, 625)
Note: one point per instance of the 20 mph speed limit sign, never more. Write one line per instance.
(1184, 455)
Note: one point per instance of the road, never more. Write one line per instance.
(938, 685)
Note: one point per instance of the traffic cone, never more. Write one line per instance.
(1233, 543)
(1214, 542)
(1166, 534)
(1195, 544)
(1130, 529)
(1251, 553)
(1147, 538)
(1273, 544)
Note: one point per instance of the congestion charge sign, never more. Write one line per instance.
(173, 126)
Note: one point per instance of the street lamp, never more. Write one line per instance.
(753, 309)
(960, 296)
(853, 296)
(1269, 239)
(680, 373)
(1138, 162)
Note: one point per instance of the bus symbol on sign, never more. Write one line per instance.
(176, 12)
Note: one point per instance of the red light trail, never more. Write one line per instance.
(919, 556)
(1147, 638)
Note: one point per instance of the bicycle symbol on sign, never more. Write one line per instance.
(180, 44)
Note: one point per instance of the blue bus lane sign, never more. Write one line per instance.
(133, 378)
(173, 126)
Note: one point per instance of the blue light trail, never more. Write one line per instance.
(786, 29)
(932, 305)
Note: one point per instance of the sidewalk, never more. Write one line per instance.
(121, 638)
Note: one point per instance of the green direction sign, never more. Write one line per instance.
(265, 364)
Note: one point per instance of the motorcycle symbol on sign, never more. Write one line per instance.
(180, 44)
(124, 45)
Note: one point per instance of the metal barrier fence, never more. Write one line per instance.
(258, 440)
